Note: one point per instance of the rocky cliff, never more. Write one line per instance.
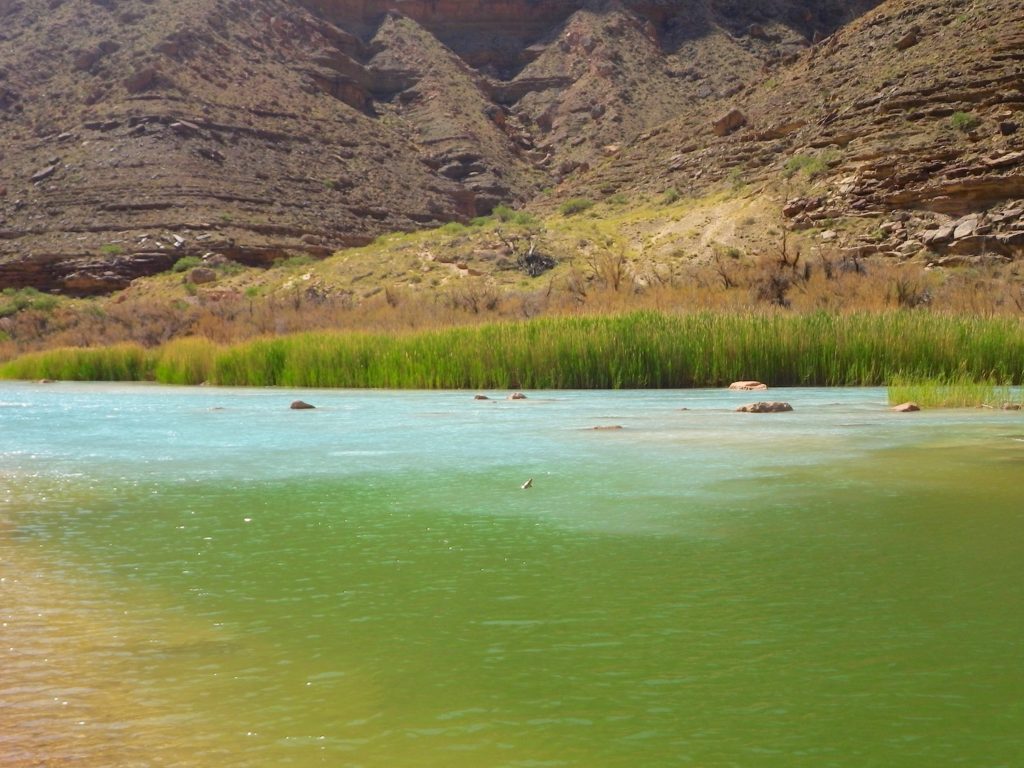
(133, 133)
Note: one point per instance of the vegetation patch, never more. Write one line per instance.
(639, 349)
(958, 390)
(575, 205)
(811, 166)
(964, 121)
(14, 300)
(185, 263)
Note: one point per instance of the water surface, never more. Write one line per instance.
(199, 577)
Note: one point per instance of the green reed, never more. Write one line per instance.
(121, 362)
(954, 391)
(640, 349)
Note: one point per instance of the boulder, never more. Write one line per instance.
(481, 397)
(729, 122)
(748, 386)
(517, 396)
(141, 80)
(906, 407)
(965, 227)
(765, 407)
(201, 275)
(44, 173)
(938, 236)
(910, 39)
(302, 405)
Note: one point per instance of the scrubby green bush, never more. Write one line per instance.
(810, 165)
(14, 300)
(575, 205)
(508, 215)
(185, 263)
(964, 121)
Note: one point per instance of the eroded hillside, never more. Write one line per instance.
(136, 133)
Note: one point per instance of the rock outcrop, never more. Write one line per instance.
(266, 128)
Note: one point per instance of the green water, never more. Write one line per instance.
(367, 585)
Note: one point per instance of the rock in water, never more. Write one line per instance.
(765, 407)
(302, 405)
(748, 385)
(906, 407)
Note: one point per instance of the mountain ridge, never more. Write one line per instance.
(136, 133)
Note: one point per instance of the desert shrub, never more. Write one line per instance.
(13, 300)
(575, 205)
(503, 212)
(509, 215)
(964, 121)
(671, 196)
(185, 263)
(809, 165)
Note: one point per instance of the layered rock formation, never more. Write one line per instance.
(135, 133)
(911, 116)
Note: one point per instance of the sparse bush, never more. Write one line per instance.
(811, 166)
(14, 300)
(185, 263)
(618, 199)
(575, 205)
(964, 121)
(503, 212)
(509, 215)
(452, 228)
(671, 196)
(111, 249)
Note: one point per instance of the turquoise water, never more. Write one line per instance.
(198, 577)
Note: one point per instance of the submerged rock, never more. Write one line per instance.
(907, 407)
(765, 407)
(301, 405)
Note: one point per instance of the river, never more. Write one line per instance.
(204, 577)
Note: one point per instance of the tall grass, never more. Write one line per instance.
(640, 349)
(121, 362)
(954, 391)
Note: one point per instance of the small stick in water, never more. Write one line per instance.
(528, 484)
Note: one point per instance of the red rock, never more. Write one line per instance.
(729, 122)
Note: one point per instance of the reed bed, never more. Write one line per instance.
(636, 350)
(955, 391)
